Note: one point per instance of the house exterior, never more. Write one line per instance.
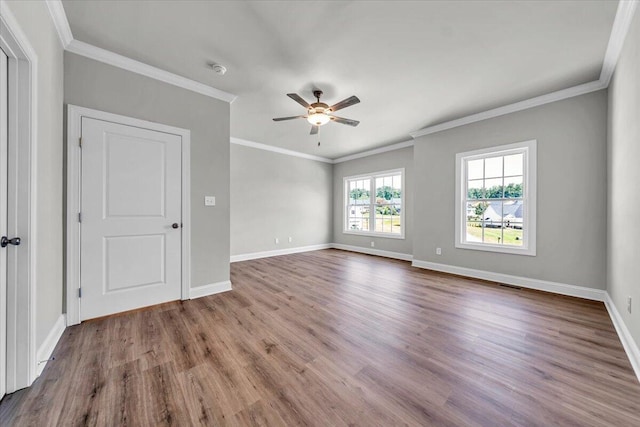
(507, 214)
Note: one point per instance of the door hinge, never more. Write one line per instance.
(79, 217)
(80, 142)
(79, 292)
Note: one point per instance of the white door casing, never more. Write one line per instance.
(130, 181)
(131, 218)
(4, 134)
(22, 201)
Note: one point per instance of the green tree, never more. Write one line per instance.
(480, 208)
(475, 193)
(359, 194)
(513, 190)
(386, 192)
(495, 192)
(387, 210)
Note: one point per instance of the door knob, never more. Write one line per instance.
(175, 225)
(4, 241)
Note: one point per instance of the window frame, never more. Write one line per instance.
(529, 150)
(372, 177)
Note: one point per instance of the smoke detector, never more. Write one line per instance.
(219, 69)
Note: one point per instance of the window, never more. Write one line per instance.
(374, 204)
(496, 199)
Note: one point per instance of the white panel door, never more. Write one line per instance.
(4, 132)
(130, 218)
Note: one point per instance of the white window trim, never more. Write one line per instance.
(529, 181)
(373, 176)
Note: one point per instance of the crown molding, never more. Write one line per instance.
(59, 17)
(116, 60)
(278, 150)
(368, 153)
(621, 24)
(56, 10)
(512, 108)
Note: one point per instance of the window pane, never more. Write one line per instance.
(474, 231)
(493, 188)
(513, 187)
(492, 214)
(513, 165)
(513, 236)
(475, 169)
(359, 192)
(475, 189)
(397, 182)
(358, 217)
(388, 218)
(388, 188)
(396, 219)
(492, 233)
(513, 214)
(476, 210)
(493, 167)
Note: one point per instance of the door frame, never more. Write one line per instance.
(73, 185)
(22, 201)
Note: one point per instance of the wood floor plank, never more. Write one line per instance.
(342, 339)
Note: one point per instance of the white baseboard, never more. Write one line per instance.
(277, 252)
(210, 289)
(46, 349)
(525, 282)
(630, 346)
(372, 251)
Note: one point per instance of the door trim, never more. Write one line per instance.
(22, 202)
(74, 130)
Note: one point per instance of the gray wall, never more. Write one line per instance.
(92, 84)
(35, 21)
(276, 195)
(396, 159)
(623, 204)
(571, 208)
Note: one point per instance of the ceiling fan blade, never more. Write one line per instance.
(314, 130)
(299, 99)
(345, 103)
(349, 122)
(279, 119)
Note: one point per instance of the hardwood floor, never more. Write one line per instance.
(334, 338)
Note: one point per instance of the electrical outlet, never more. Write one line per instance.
(629, 304)
(209, 200)
(438, 251)
(373, 244)
(290, 239)
(277, 240)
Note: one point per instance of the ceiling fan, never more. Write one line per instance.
(320, 113)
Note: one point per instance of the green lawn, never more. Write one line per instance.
(389, 223)
(511, 236)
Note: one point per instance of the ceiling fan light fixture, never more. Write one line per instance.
(319, 113)
(318, 119)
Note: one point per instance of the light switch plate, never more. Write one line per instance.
(209, 200)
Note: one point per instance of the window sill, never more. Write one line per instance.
(374, 234)
(497, 248)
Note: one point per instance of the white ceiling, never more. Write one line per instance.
(412, 64)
